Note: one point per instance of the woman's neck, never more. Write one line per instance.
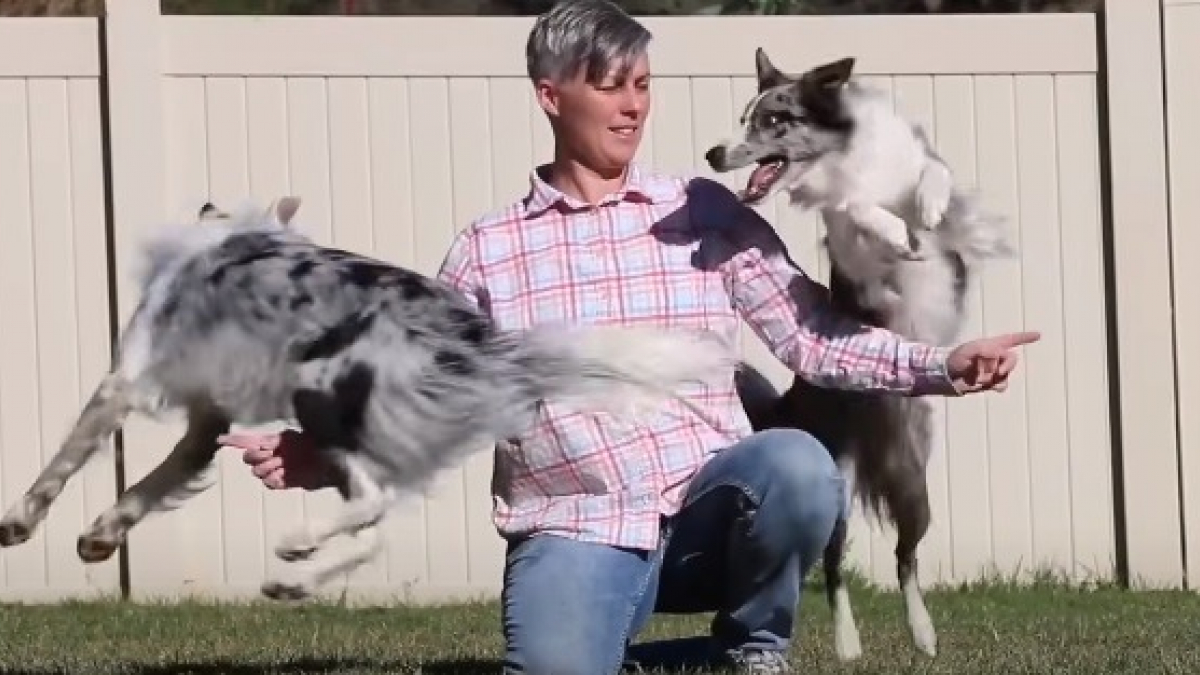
(580, 182)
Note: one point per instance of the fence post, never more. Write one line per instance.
(132, 81)
(1181, 28)
(136, 130)
(1141, 288)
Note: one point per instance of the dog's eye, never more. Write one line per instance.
(774, 119)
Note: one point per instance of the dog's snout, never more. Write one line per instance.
(715, 157)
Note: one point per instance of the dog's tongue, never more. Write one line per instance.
(760, 181)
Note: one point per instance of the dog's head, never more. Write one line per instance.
(788, 126)
(276, 216)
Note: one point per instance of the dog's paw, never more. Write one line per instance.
(286, 591)
(21, 520)
(889, 227)
(923, 634)
(94, 547)
(846, 642)
(296, 545)
(909, 254)
(14, 532)
(933, 194)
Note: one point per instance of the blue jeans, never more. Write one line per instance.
(755, 518)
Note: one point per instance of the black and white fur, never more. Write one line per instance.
(394, 376)
(833, 144)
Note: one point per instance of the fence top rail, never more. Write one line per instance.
(49, 47)
(332, 46)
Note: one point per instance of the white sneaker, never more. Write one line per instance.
(759, 662)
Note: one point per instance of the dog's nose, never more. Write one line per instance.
(715, 157)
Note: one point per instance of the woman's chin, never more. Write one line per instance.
(618, 161)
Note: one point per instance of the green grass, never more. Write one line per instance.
(987, 628)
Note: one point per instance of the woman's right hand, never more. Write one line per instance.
(282, 460)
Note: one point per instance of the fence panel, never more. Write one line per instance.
(54, 302)
(395, 138)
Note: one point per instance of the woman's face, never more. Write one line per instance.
(600, 125)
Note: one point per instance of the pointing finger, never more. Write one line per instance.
(1017, 339)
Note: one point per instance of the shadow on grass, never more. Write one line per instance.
(300, 666)
(682, 655)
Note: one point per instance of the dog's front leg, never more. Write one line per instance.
(366, 503)
(191, 455)
(933, 193)
(101, 417)
(890, 228)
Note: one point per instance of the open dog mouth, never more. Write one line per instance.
(769, 170)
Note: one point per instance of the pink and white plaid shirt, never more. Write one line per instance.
(664, 251)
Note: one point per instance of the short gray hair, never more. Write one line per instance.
(593, 35)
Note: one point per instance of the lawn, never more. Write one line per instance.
(983, 629)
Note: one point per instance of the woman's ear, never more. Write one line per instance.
(547, 96)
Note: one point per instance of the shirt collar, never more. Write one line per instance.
(640, 187)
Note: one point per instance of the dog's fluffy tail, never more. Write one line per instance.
(625, 370)
(973, 232)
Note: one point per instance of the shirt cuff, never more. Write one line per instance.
(930, 375)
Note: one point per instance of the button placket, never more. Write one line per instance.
(604, 258)
(591, 261)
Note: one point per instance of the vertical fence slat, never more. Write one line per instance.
(966, 419)
(1001, 292)
(392, 200)
(1141, 287)
(87, 166)
(432, 148)
(915, 97)
(19, 385)
(1043, 302)
(268, 155)
(1086, 386)
(1182, 30)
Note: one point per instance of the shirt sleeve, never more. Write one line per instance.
(460, 268)
(792, 314)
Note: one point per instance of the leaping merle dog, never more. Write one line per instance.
(243, 320)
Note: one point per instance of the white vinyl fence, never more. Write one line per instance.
(396, 132)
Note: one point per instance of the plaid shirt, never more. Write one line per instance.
(665, 251)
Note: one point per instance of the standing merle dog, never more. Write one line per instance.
(395, 376)
(835, 145)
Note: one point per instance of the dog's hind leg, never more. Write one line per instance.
(101, 417)
(366, 504)
(911, 515)
(190, 456)
(846, 641)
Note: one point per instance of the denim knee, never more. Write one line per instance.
(796, 473)
(568, 606)
(552, 657)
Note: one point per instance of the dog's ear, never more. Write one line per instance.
(827, 77)
(820, 90)
(282, 210)
(768, 75)
(210, 212)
